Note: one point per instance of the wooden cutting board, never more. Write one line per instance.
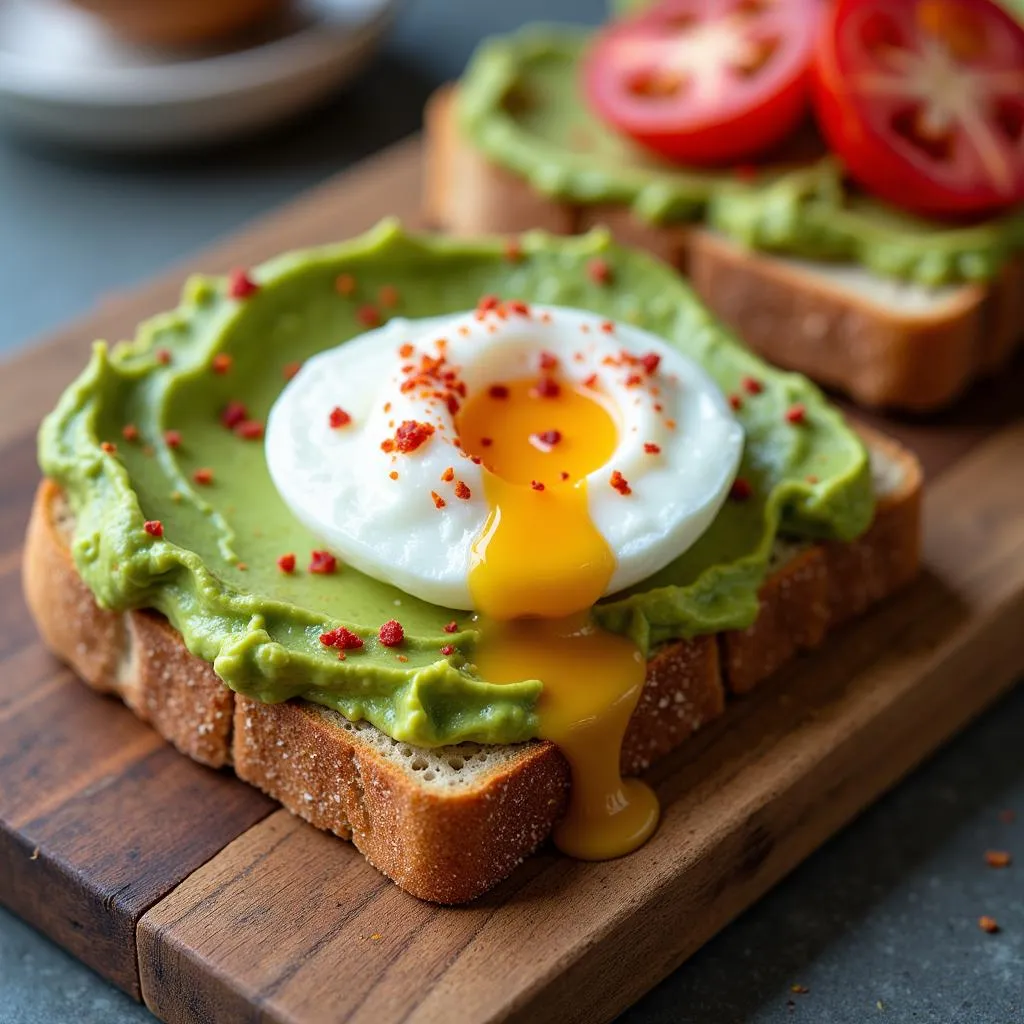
(192, 891)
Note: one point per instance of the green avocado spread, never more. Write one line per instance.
(520, 104)
(213, 572)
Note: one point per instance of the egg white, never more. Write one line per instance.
(336, 481)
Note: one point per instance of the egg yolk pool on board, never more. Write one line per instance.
(526, 462)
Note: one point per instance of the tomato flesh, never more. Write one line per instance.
(705, 82)
(923, 101)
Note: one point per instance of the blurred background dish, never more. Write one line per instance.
(91, 73)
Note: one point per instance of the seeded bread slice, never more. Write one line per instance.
(885, 343)
(447, 824)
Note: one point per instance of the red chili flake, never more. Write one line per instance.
(232, 414)
(591, 381)
(451, 627)
(475, 459)
(368, 316)
(599, 271)
(518, 307)
(249, 430)
(671, 424)
(462, 490)
(536, 485)
(289, 370)
(408, 437)
(988, 924)
(498, 391)
(608, 326)
(387, 296)
(546, 440)
(451, 404)
(439, 502)
(650, 362)
(796, 414)
(393, 474)
(735, 402)
(658, 407)
(323, 563)
(513, 251)
(221, 363)
(998, 858)
(634, 380)
(153, 527)
(345, 284)
(548, 361)
(241, 285)
(752, 385)
(286, 563)
(486, 442)
(130, 432)
(162, 356)
(487, 304)
(203, 476)
(407, 350)
(546, 387)
(741, 489)
(564, 474)
(402, 658)
(651, 448)
(108, 447)
(448, 649)
(391, 633)
(338, 418)
(620, 483)
(172, 438)
(448, 475)
(342, 639)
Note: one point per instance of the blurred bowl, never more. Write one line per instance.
(65, 76)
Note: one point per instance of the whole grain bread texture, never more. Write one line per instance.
(884, 343)
(448, 823)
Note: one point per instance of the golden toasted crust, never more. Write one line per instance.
(796, 318)
(447, 825)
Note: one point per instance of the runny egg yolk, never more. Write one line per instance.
(539, 566)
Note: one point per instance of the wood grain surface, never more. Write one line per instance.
(241, 913)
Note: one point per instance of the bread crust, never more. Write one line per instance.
(913, 361)
(446, 842)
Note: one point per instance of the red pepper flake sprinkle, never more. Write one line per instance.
(487, 304)
(345, 284)
(203, 476)
(338, 418)
(513, 251)
(241, 285)
(796, 414)
(671, 424)
(536, 485)
(564, 475)
(388, 296)
(608, 326)
(448, 649)
(172, 438)
(998, 859)
(162, 356)
(752, 385)
(402, 658)
(153, 527)
(650, 362)
(221, 363)
(448, 475)
(462, 491)
(518, 307)
(735, 403)
(407, 350)
(620, 483)
(368, 316)
(548, 361)
(599, 271)
(591, 381)
(547, 387)
(988, 924)
(451, 627)
(546, 440)
(249, 430)
(651, 448)
(497, 391)
(486, 442)
(130, 432)
(741, 489)
(393, 474)
(634, 380)
(323, 563)
(342, 639)
(286, 563)
(391, 633)
(232, 414)
(439, 502)
(108, 447)
(409, 436)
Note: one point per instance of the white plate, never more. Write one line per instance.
(63, 75)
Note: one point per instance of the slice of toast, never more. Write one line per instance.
(884, 342)
(447, 824)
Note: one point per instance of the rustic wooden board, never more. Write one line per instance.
(240, 913)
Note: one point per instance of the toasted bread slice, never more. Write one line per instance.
(885, 343)
(446, 824)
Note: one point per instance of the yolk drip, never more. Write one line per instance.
(539, 565)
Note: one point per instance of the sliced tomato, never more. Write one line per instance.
(705, 81)
(923, 101)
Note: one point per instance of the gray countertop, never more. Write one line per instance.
(881, 924)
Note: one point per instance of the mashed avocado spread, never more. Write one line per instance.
(520, 104)
(128, 436)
